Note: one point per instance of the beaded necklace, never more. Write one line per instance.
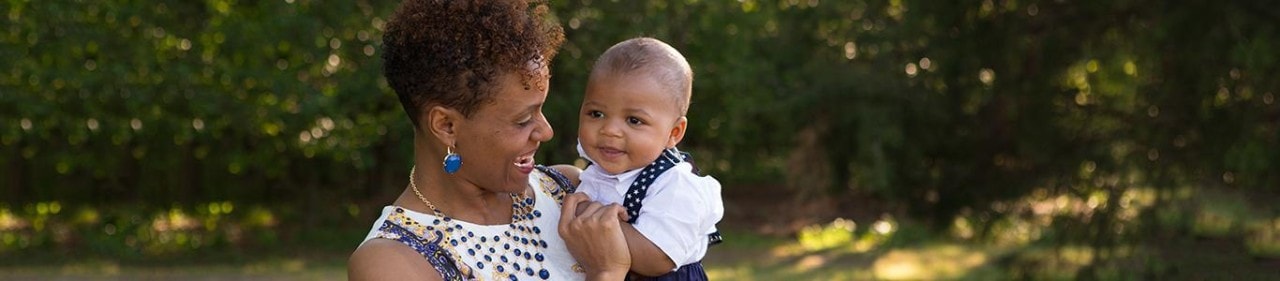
(505, 256)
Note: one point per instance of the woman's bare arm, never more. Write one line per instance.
(382, 259)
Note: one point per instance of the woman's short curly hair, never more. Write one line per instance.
(452, 53)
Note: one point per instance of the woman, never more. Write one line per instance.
(472, 76)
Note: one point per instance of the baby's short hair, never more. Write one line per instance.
(652, 57)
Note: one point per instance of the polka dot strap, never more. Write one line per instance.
(640, 187)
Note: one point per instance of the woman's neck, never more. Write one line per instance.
(454, 197)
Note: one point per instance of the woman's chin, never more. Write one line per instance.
(518, 182)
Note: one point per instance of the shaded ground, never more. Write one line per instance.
(756, 257)
(771, 236)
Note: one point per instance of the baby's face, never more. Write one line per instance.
(626, 121)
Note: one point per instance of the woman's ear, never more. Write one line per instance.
(442, 122)
(677, 132)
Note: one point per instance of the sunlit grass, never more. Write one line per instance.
(1046, 236)
(1217, 216)
(942, 261)
(1264, 240)
(838, 251)
(1030, 243)
(129, 232)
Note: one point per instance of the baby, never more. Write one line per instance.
(633, 116)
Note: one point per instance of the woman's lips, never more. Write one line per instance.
(524, 164)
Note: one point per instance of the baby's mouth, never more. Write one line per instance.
(610, 152)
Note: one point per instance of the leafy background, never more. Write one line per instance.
(1048, 139)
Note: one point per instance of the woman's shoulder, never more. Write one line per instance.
(383, 259)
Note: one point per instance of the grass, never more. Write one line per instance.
(1214, 236)
(747, 256)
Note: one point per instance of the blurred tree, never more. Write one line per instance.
(940, 107)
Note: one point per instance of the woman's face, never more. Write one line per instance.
(498, 141)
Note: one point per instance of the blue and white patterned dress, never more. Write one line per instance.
(529, 248)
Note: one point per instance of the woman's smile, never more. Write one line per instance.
(525, 163)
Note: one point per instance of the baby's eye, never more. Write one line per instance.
(595, 114)
(635, 121)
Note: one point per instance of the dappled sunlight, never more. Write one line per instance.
(261, 217)
(9, 221)
(173, 220)
(1218, 216)
(811, 262)
(172, 231)
(1264, 239)
(1035, 214)
(86, 216)
(855, 140)
(842, 236)
(10, 224)
(946, 261)
(840, 251)
(1075, 255)
(820, 237)
(127, 231)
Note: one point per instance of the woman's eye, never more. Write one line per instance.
(635, 121)
(595, 114)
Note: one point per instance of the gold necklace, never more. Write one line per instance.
(524, 235)
(412, 173)
(515, 199)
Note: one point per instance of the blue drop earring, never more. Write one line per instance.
(452, 162)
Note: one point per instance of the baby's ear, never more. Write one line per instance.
(677, 132)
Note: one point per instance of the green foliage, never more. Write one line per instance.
(951, 106)
(937, 107)
(182, 101)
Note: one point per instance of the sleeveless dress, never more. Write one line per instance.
(528, 248)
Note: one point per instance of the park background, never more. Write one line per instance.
(858, 139)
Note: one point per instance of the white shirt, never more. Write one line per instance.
(678, 212)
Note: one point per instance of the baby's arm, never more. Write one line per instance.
(646, 258)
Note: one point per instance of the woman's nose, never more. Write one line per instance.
(543, 132)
